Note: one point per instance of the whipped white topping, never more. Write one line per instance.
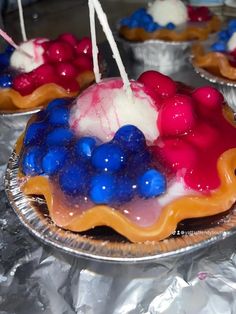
(29, 56)
(103, 108)
(231, 45)
(168, 11)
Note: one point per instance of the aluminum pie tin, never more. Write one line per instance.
(32, 212)
(19, 112)
(167, 56)
(225, 86)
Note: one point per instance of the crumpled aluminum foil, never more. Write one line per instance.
(11, 127)
(35, 278)
(38, 279)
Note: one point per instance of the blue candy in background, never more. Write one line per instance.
(223, 37)
(142, 19)
(5, 57)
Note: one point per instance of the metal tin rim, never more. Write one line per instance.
(75, 244)
(20, 112)
(211, 77)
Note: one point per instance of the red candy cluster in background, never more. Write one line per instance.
(193, 130)
(199, 14)
(64, 59)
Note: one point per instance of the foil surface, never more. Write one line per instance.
(36, 278)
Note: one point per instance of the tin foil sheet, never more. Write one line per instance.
(37, 278)
(11, 126)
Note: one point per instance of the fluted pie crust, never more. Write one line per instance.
(190, 206)
(11, 99)
(189, 33)
(216, 63)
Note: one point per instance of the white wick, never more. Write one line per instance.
(22, 23)
(116, 55)
(13, 44)
(94, 42)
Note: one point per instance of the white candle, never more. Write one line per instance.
(116, 55)
(94, 42)
(22, 23)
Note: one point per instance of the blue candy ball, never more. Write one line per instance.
(34, 133)
(232, 24)
(31, 161)
(125, 190)
(219, 46)
(53, 160)
(4, 59)
(59, 136)
(9, 50)
(133, 23)
(130, 137)
(57, 103)
(147, 18)
(151, 27)
(85, 146)
(59, 116)
(108, 157)
(5, 81)
(170, 26)
(138, 14)
(102, 188)
(73, 179)
(125, 21)
(151, 184)
(140, 162)
(224, 35)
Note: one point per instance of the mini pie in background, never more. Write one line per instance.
(169, 20)
(40, 70)
(219, 59)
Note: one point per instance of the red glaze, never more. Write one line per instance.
(193, 135)
(176, 154)
(59, 51)
(84, 46)
(198, 14)
(176, 115)
(23, 83)
(163, 85)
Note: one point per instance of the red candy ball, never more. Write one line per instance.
(66, 69)
(44, 74)
(84, 46)
(69, 38)
(23, 83)
(59, 51)
(199, 14)
(209, 97)
(83, 63)
(163, 85)
(176, 116)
